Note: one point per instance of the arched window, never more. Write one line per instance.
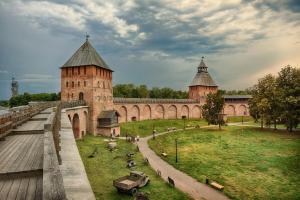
(78, 83)
(72, 83)
(67, 84)
(81, 96)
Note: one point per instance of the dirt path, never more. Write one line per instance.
(182, 181)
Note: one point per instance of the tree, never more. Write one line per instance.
(24, 99)
(213, 107)
(288, 82)
(277, 98)
(253, 110)
(264, 102)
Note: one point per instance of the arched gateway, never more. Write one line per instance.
(75, 125)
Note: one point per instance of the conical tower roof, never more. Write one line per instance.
(86, 55)
(202, 77)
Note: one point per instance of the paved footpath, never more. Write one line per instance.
(182, 181)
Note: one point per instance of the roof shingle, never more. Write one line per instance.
(86, 55)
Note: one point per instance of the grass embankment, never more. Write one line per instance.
(250, 163)
(144, 128)
(107, 166)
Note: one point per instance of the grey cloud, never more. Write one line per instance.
(168, 53)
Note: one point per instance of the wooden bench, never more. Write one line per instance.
(217, 185)
(164, 154)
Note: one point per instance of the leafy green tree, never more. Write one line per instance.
(213, 107)
(4, 103)
(264, 103)
(277, 98)
(288, 82)
(237, 92)
(24, 99)
(253, 110)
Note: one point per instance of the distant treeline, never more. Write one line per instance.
(142, 91)
(237, 92)
(25, 98)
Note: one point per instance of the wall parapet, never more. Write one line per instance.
(153, 101)
(21, 114)
(52, 178)
(71, 104)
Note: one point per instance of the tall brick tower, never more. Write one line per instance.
(85, 76)
(202, 84)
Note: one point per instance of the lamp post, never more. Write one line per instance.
(153, 132)
(176, 150)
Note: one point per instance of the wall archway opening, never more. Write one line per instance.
(172, 112)
(146, 112)
(76, 126)
(159, 112)
(196, 112)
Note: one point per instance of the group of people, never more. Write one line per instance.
(133, 139)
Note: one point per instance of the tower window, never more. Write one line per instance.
(81, 96)
(72, 83)
(78, 83)
(67, 84)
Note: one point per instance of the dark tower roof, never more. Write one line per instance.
(202, 77)
(84, 56)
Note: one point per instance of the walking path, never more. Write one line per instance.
(182, 181)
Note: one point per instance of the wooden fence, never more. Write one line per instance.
(19, 115)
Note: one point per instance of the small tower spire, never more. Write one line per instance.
(87, 36)
(14, 87)
(202, 66)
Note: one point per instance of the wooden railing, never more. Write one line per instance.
(53, 187)
(19, 115)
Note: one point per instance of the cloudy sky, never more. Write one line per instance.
(157, 43)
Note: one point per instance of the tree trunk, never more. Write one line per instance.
(275, 125)
(262, 122)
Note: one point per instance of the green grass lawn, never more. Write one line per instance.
(144, 128)
(233, 119)
(250, 121)
(107, 166)
(250, 163)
